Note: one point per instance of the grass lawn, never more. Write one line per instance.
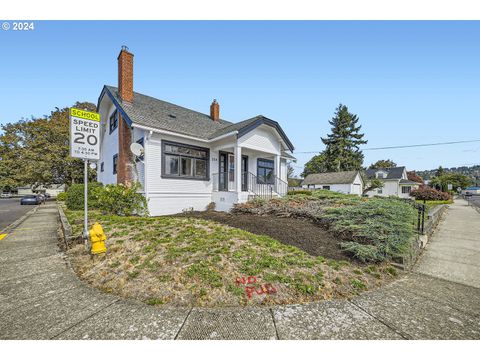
(184, 261)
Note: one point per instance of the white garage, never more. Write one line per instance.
(345, 182)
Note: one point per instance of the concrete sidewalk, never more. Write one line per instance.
(453, 253)
(41, 298)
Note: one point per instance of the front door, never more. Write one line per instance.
(223, 172)
(244, 173)
(226, 172)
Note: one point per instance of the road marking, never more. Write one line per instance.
(2, 236)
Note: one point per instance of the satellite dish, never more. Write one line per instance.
(93, 166)
(136, 149)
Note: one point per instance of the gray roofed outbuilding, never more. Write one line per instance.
(342, 177)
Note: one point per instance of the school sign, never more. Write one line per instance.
(84, 134)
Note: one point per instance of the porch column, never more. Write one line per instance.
(277, 166)
(238, 168)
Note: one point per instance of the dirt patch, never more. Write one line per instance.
(298, 232)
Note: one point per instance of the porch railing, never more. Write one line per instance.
(251, 183)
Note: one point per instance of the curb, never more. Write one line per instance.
(65, 226)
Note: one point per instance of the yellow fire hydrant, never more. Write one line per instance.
(97, 239)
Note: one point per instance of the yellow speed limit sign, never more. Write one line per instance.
(84, 134)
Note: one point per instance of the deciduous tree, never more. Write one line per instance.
(36, 152)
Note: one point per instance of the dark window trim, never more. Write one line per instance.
(113, 164)
(102, 166)
(273, 168)
(207, 159)
(115, 116)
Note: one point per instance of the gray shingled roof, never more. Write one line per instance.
(151, 112)
(392, 173)
(148, 111)
(342, 177)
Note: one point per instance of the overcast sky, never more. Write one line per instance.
(409, 82)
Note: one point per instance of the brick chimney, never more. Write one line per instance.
(125, 91)
(125, 75)
(215, 110)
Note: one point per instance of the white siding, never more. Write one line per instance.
(109, 145)
(262, 138)
(390, 188)
(170, 196)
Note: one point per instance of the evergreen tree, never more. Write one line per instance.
(342, 151)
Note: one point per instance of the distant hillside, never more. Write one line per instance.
(472, 171)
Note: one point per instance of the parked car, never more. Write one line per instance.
(47, 196)
(41, 197)
(6, 195)
(31, 200)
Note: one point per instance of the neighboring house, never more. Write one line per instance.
(53, 189)
(346, 182)
(190, 159)
(395, 181)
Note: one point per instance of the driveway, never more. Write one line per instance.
(41, 298)
(11, 210)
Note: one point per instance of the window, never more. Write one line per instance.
(184, 161)
(265, 173)
(113, 121)
(326, 187)
(101, 166)
(379, 191)
(381, 175)
(406, 189)
(115, 162)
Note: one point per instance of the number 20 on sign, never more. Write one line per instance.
(84, 134)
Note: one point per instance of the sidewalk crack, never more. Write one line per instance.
(399, 332)
(274, 324)
(84, 319)
(184, 321)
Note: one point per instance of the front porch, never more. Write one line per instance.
(261, 175)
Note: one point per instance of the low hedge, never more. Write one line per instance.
(62, 196)
(111, 199)
(428, 193)
(75, 196)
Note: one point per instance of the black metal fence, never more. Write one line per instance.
(421, 210)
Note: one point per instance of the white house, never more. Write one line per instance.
(395, 182)
(346, 182)
(190, 159)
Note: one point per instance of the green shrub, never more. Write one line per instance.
(378, 229)
(62, 196)
(122, 200)
(428, 193)
(298, 192)
(75, 196)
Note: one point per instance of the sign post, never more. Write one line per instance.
(85, 144)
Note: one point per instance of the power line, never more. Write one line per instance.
(402, 146)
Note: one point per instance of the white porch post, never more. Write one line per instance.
(238, 168)
(277, 166)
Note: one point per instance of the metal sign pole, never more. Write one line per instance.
(85, 196)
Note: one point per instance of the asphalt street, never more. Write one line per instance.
(11, 210)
